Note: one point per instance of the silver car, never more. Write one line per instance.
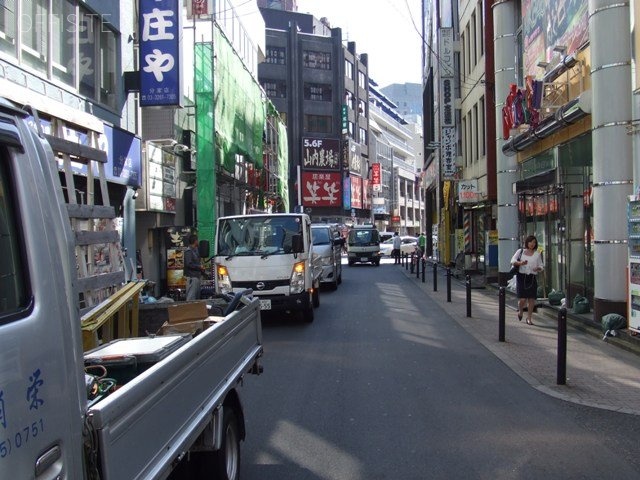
(327, 246)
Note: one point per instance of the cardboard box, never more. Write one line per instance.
(186, 312)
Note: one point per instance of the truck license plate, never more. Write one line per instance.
(365, 259)
(265, 304)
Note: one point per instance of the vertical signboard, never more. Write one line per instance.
(376, 177)
(448, 133)
(160, 79)
(346, 193)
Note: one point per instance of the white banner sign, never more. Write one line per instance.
(449, 152)
(446, 52)
(468, 191)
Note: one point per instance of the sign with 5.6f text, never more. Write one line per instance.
(160, 53)
(321, 153)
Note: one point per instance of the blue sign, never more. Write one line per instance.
(124, 163)
(346, 193)
(160, 52)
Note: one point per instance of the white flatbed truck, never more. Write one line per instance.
(184, 406)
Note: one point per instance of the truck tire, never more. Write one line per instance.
(307, 314)
(226, 461)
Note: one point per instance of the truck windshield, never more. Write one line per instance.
(363, 237)
(257, 235)
(320, 236)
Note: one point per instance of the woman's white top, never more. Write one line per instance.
(534, 261)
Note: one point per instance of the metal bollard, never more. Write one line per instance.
(412, 262)
(406, 261)
(562, 347)
(417, 267)
(449, 284)
(501, 313)
(468, 285)
(424, 267)
(435, 277)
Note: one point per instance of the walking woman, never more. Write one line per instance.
(529, 261)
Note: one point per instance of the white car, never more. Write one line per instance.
(408, 245)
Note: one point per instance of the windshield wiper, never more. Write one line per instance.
(241, 254)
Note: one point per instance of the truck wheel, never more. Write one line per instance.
(351, 263)
(226, 461)
(315, 297)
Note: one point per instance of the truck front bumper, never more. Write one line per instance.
(299, 301)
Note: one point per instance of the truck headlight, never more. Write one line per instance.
(326, 261)
(223, 279)
(297, 278)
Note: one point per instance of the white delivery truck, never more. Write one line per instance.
(56, 420)
(363, 245)
(272, 254)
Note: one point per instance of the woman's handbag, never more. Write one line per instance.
(515, 269)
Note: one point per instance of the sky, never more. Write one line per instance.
(381, 28)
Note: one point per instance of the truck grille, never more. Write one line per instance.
(268, 284)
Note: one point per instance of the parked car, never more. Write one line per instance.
(327, 246)
(408, 245)
(384, 236)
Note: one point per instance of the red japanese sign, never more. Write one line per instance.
(376, 177)
(321, 189)
(356, 192)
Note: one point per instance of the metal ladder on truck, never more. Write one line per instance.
(108, 306)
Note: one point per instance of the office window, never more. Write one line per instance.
(108, 67)
(276, 55)
(363, 137)
(474, 43)
(348, 69)
(35, 30)
(317, 92)
(8, 27)
(351, 129)
(476, 134)
(63, 41)
(350, 100)
(483, 144)
(481, 26)
(315, 59)
(275, 88)
(362, 80)
(362, 108)
(317, 123)
(87, 54)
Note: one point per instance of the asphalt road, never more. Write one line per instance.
(385, 385)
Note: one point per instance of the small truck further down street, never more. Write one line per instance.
(177, 398)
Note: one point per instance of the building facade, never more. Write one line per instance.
(319, 86)
(563, 143)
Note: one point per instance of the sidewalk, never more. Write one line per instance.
(599, 373)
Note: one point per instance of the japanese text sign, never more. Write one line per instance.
(321, 189)
(321, 153)
(449, 153)
(376, 177)
(468, 191)
(160, 53)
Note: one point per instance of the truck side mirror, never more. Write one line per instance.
(203, 248)
(297, 245)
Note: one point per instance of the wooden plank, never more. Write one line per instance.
(91, 211)
(96, 238)
(104, 305)
(83, 153)
(104, 280)
(96, 319)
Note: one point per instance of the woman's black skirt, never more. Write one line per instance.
(526, 285)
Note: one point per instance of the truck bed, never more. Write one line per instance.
(139, 430)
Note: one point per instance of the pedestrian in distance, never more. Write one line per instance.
(529, 263)
(193, 268)
(422, 244)
(397, 242)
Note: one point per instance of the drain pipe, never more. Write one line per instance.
(612, 152)
(504, 30)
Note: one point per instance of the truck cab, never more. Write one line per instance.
(363, 245)
(272, 254)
